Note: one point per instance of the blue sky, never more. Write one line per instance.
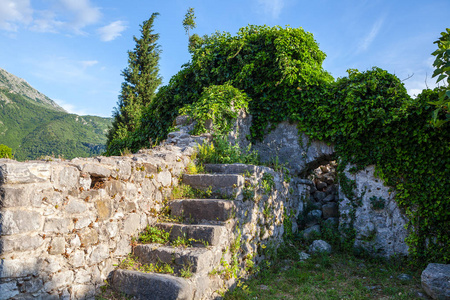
(74, 50)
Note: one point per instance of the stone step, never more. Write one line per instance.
(197, 260)
(196, 211)
(151, 285)
(201, 235)
(239, 169)
(220, 185)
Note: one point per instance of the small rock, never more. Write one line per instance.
(264, 287)
(328, 198)
(404, 277)
(331, 222)
(319, 246)
(309, 231)
(320, 185)
(313, 217)
(303, 256)
(330, 210)
(319, 196)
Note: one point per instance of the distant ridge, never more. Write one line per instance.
(19, 86)
(34, 126)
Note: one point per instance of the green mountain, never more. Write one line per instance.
(34, 126)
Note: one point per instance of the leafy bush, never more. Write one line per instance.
(219, 104)
(5, 151)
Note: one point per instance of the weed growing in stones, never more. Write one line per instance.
(154, 235)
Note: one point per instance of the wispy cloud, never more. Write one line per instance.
(58, 16)
(13, 13)
(112, 31)
(82, 13)
(368, 39)
(71, 15)
(88, 63)
(272, 7)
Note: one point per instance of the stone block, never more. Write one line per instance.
(88, 237)
(20, 243)
(319, 246)
(114, 187)
(165, 178)
(83, 291)
(436, 281)
(23, 195)
(308, 232)
(58, 245)
(77, 259)
(19, 221)
(21, 172)
(83, 222)
(32, 285)
(66, 178)
(151, 286)
(213, 180)
(203, 209)
(52, 264)
(8, 290)
(82, 275)
(330, 210)
(96, 170)
(59, 225)
(75, 207)
(313, 217)
(328, 198)
(131, 224)
(103, 207)
(212, 235)
(58, 280)
(19, 267)
(319, 196)
(99, 253)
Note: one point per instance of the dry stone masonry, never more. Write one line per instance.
(65, 224)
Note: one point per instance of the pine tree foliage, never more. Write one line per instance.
(138, 90)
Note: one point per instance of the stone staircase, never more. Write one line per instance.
(210, 224)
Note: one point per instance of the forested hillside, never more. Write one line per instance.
(34, 126)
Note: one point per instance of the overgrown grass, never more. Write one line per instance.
(220, 151)
(340, 275)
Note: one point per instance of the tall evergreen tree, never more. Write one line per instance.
(138, 90)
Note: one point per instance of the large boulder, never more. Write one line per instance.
(436, 281)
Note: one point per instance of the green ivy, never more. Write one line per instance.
(219, 104)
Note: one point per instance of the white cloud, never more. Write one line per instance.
(272, 7)
(88, 63)
(13, 13)
(66, 15)
(82, 12)
(112, 31)
(368, 39)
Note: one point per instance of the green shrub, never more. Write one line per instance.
(219, 104)
(5, 151)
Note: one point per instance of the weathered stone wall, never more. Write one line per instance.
(65, 224)
(380, 231)
(380, 225)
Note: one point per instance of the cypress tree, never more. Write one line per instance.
(138, 90)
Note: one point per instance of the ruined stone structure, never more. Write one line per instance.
(65, 225)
